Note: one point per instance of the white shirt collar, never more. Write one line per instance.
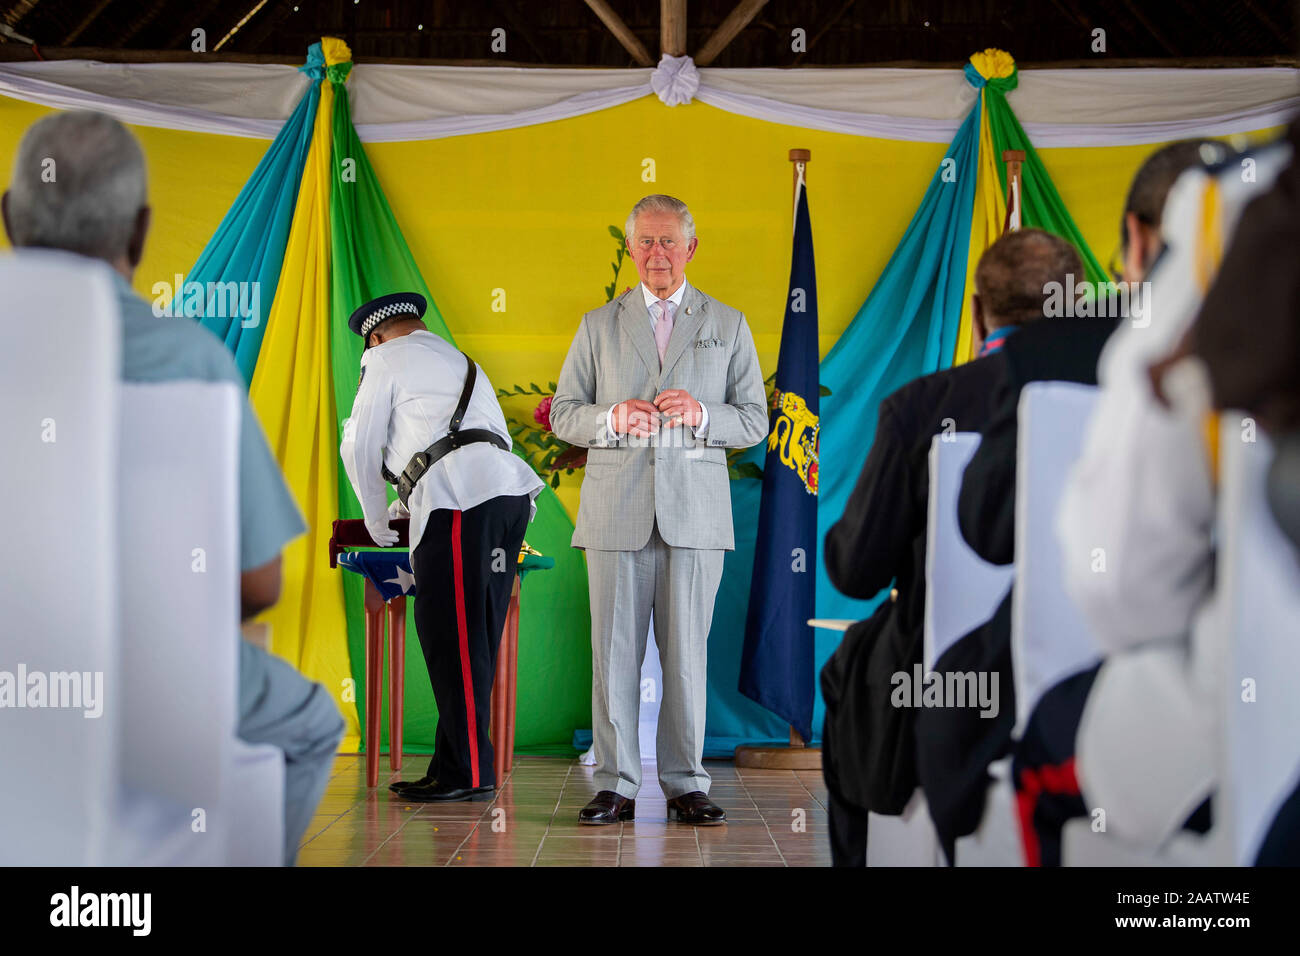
(675, 298)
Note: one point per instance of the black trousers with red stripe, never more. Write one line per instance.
(464, 572)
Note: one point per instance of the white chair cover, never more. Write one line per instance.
(962, 590)
(1260, 584)
(1050, 639)
(60, 367)
(180, 545)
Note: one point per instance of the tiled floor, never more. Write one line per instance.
(775, 818)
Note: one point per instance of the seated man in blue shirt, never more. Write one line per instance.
(95, 205)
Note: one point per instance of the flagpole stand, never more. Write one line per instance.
(797, 756)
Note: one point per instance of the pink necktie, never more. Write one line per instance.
(664, 326)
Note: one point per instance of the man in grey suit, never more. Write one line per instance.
(657, 384)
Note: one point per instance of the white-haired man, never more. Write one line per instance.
(96, 206)
(657, 384)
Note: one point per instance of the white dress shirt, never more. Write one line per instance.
(702, 429)
(408, 391)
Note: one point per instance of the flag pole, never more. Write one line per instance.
(1014, 158)
(797, 755)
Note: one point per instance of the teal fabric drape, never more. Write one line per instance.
(906, 328)
(249, 244)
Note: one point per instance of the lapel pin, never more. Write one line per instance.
(688, 310)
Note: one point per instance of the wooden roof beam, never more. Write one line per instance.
(672, 27)
(728, 30)
(622, 33)
(86, 21)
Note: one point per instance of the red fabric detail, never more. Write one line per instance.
(1035, 781)
(462, 629)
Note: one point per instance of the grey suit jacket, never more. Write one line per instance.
(671, 477)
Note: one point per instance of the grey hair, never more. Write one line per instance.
(661, 203)
(78, 185)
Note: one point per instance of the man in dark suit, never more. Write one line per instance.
(955, 750)
(867, 744)
(956, 746)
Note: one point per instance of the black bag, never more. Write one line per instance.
(868, 745)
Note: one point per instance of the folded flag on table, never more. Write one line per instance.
(388, 571)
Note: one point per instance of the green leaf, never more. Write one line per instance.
(535, 388)
(823, 391)
(555, 388)
(747, 469)
(519, 390)
(616, 232)
(555, 480)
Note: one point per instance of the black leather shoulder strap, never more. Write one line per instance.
(466, 393)
(455, 438)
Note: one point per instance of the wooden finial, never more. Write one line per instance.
(800, 155)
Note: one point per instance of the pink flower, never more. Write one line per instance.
(542, 413)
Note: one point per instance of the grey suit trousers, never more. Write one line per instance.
(679, 585)
(277, 705)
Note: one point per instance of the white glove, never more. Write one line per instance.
(398, 510)
(382, 535)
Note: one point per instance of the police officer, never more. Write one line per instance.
(427, 419)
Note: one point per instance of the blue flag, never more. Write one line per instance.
(389, 571)
(776, 665)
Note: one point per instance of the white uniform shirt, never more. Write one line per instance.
(409, 389)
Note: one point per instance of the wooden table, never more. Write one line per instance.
(351, 533)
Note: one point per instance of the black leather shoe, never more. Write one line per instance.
(697, 809)
(400, 786)
(441, 793)
(607, 807)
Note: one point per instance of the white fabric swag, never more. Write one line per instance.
(392, 103)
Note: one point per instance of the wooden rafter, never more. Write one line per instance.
(199, 17)
(1151, 28)
(86, 21)
(519, 23)
(270, 19)
(14, 15)
(140, 22)
(17, 53)
(830, 22)
(728, 29)
(672, 27)
(1264, 18)
(622, 33)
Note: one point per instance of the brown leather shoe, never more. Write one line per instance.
(697, 809)
(607, 807)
